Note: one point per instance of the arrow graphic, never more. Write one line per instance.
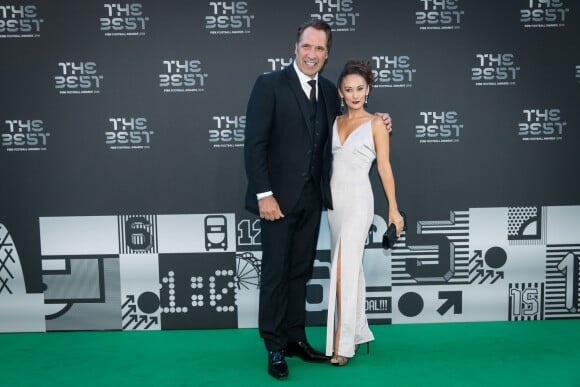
(130, 299)
(132, 309)
(132, 319)
(498, 276)
(488, 275)
(142, 319)
(154, 320)
(454, 299)
(479, 274)
(478, 254)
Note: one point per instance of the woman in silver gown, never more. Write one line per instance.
(359, 138)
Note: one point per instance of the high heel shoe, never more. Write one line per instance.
(339, 361)
(368, 343)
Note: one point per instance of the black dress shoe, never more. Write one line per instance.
(303, 350)
(277, 366)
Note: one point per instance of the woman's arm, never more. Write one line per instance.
(382, 143)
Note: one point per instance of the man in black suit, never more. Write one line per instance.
(288, 157)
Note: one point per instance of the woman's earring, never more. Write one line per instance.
(341, 104)
(366, 100)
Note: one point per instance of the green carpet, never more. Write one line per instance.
(536, 353)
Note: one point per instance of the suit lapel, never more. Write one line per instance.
(303, 102)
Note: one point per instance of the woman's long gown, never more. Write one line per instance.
(350, 221)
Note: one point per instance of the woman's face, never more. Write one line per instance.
(354, 90)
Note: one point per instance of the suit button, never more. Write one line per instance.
(309, 153)
(304, 174)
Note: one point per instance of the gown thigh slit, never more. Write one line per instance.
(350, 221)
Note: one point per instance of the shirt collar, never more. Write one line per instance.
(303, 77)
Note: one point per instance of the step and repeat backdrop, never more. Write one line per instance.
(121, 159)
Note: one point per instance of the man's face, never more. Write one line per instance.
(311, 51)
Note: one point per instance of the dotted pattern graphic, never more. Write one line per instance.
(518, 216)
(170, 280)
(215, 296)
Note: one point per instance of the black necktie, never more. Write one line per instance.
(312, 84)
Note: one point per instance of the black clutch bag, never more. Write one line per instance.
(390, 236)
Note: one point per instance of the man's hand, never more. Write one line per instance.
(269, 208)
(386, 119)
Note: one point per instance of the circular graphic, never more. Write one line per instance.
(148, 302)
(247, 271)
(410, 304)
(495, 257)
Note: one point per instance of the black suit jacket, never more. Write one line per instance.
(279, 138)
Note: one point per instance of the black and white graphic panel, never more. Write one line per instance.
(79, 235)
(247, 283)
(449, 303)
(526, 301)
(140, 292)
(82, 292)
(80, 272)
(198, 290)
(377, 270)
(440, 255)
(248, 235)
(137, 234)
(494, 258)
(563, 262)
(197, 233)
(19, 311)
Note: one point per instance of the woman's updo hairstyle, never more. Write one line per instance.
(359, 67)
